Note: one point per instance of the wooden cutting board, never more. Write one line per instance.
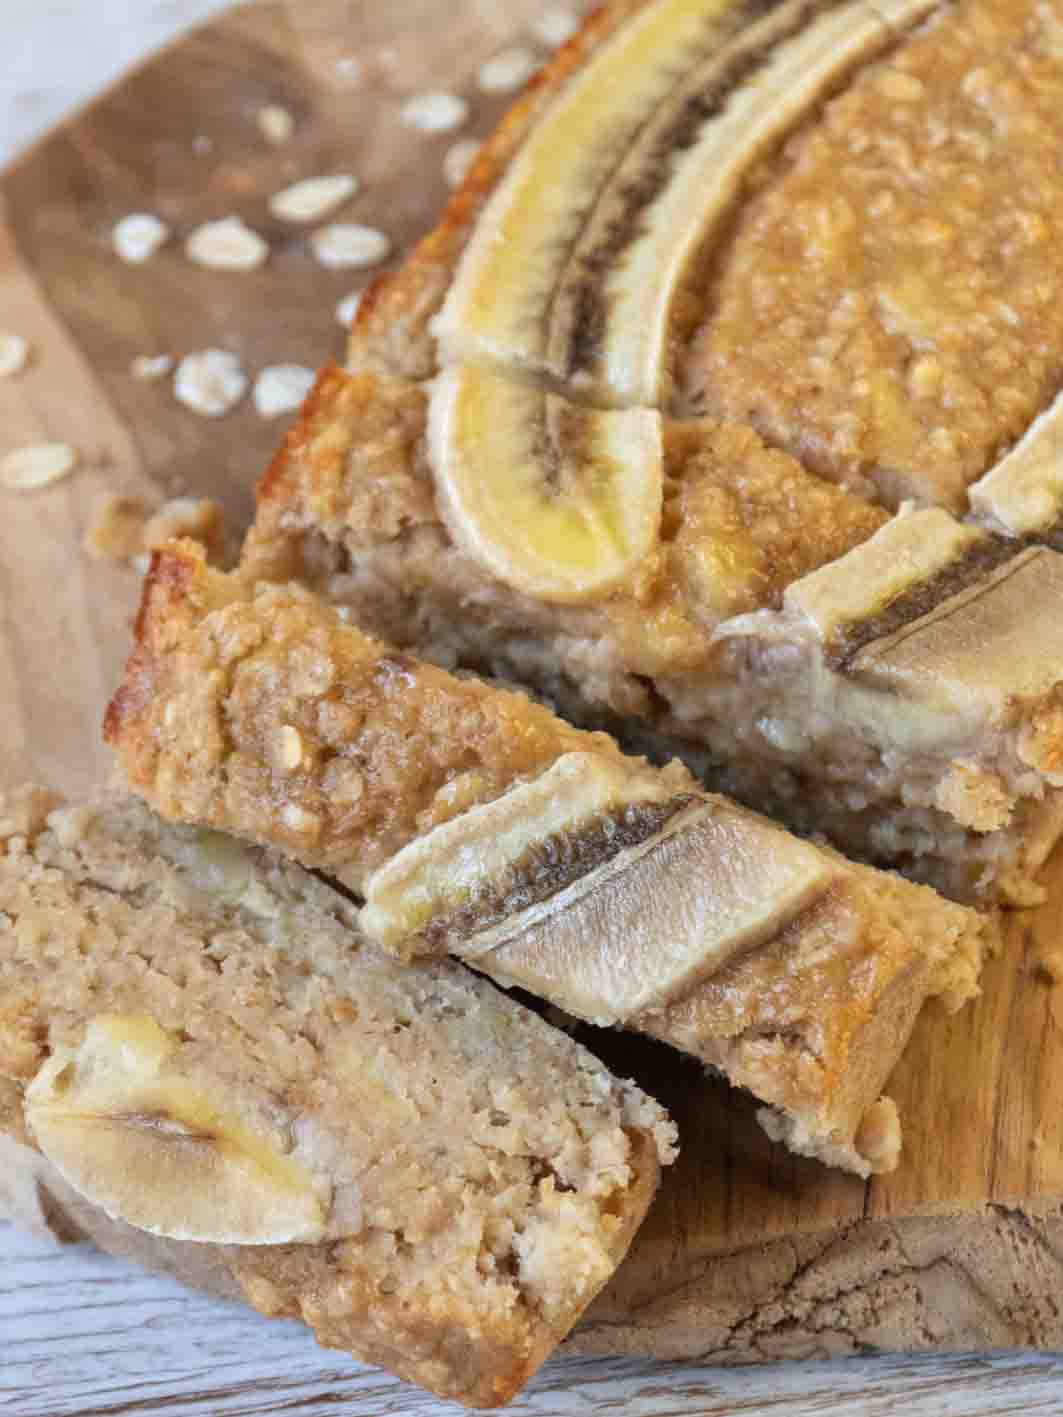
(749, 1253)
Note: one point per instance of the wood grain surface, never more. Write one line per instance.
(749, 1253)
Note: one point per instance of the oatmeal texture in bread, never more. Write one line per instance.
(185, 1020)
(886, 307)
(615, 891)
(729, 646)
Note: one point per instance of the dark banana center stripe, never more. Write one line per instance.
(708, 93)
(550, 866)
(973, 565)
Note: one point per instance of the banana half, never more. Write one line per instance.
(559, 501)
(575, 267)
(130, 1130)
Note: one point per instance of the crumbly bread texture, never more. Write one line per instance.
(185, 1021)
(650, 905)
(802, 651)
(898, 331)
(243, 706)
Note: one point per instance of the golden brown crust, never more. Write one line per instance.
(390, 333)
(262, 712)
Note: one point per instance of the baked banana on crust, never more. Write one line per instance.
(216, 1075)
(617, 891)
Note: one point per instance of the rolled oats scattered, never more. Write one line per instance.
(435, 112)
(14, 352)
(458, 160)
(27, 469)
(555, 25)
(138, 236)
(210, 382)
(275, 123)
(347, 308)
(150, 366)
(281, 388)
(313, 197)
(507, 71)
(226, 245)
(348, 245)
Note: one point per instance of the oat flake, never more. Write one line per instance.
(555, 26)
(347, 309)
(458, 160)
(138, 236)
(435, 112)
(27, 469)
(226, 245)
(210, 382)
(275, 123)
(14, 352)
(313, 198)
(281, 388)
(150, 366)
(507, 71)
(346, 244)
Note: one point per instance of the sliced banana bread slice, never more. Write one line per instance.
(234, 1086)
(471, 820)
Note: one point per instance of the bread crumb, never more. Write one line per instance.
(14, 352)
(459, 159)
(879, 1137)
(281, 388)
(125, 528)
(313, 197)
(275, 123)
(150, 366)
(40, 465)
(226, 245)
(197, 518)
(116, 532)
(507, 71)
(138, 236)
(435, 112)
(347, 244)
(210, 382)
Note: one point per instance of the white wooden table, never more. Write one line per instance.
(83, 1334)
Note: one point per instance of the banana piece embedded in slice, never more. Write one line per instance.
(499, 859)
(557, 500)
(1023, 494)
(497, 305)
(127, 1130)
(715, 883)
(598, 887)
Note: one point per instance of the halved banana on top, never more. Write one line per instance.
(575, 267)
(125, 1125)
(559, 501)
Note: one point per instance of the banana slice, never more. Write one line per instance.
(576, 267)
(1023, 494)
(612, 315)
(559, 501)
(129, 1132)
(497, 307)
(501, 858)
